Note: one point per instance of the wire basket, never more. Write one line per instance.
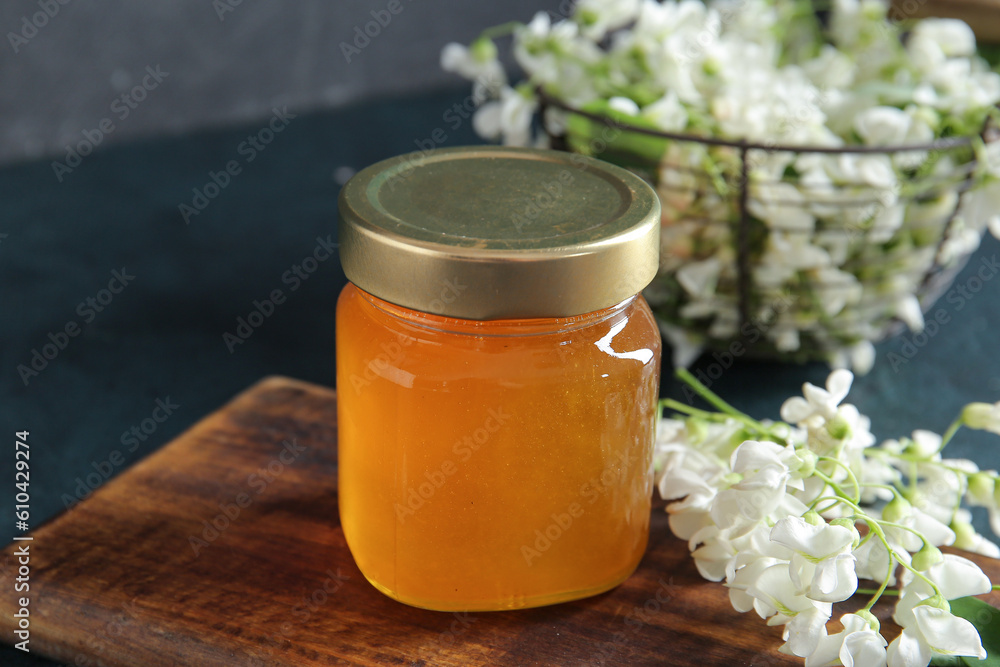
(787, 267)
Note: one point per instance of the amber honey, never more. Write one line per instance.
(494, 465)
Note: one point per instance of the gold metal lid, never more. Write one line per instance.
(489, 232)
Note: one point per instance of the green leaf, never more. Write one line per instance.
(986, 618)
(948, 661)
(615, 144)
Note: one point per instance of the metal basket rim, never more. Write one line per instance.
(945, 143)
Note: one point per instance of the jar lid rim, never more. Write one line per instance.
(486, 232)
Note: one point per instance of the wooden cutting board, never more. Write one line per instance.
(122, 578)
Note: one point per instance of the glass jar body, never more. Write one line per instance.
(488, 465)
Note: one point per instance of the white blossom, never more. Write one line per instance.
(817, 401)
(508, 118)
(934, 631)
(777, 521)
(598, 17)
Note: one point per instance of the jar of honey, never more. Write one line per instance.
(497, 376)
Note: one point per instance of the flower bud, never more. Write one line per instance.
(813, 518)
(838, 428)
(896, 509)
(927, 557)
(483, 50)
(870, 618)
(978, 415)
(808, 460)
(851, 526)
(965, 534)
(696, 429)
(982, 487)
(732, 478)
(937, 602)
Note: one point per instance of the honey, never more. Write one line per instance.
(496, 462)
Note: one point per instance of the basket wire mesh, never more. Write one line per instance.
(847, 210)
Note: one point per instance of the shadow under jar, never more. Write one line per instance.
(497, 375)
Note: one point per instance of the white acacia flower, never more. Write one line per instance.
(624, 105)
(934, 632)
(817, 401)
(954, 576)
(774, 593)
(478, 64)
(508, 118)
(686, 345)
(822, 565)
(955, 38)
(982, 416)
(857, 645)
(804, 631)
(909, 311)
(667, 112)
(966, 536)
(760, 494)
(882, 126)
(781, 206)
(873, 561)
(859, 358)
(598, 17)
(925, 445)
(712, 552)
(914, 520)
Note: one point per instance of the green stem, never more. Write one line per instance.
(685, 376)
(850, 476)
(871, 591)
(949, 434)
(875, 526)
(501, 30)
(684, 408)
(885, 583)
(712, 399)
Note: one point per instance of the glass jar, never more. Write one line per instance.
(497, 374)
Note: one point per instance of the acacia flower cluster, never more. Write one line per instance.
(848, 238)
(790, 515)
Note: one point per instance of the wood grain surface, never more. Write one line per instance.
(120, 579)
